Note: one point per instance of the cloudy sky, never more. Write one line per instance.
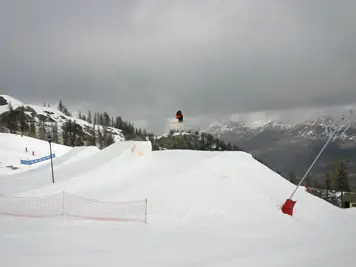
(146, 59)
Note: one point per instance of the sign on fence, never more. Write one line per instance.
(34, 161)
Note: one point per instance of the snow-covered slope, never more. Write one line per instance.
(204, 209)
(13, 149)
(5, 99)
(52, 116)
(85, 165)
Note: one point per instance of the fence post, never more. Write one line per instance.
(63, 204)
(146, 211)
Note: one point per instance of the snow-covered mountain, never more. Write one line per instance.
(51, 118)
(293, 146)
(314, 129)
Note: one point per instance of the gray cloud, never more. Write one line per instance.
(146, 59)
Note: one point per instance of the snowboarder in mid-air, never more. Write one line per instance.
(179, 116)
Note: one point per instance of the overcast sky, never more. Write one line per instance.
(147, 59)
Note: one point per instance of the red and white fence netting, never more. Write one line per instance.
(64, 204)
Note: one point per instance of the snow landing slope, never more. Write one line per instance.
(205, 209)
(80, 163)
(13, 149)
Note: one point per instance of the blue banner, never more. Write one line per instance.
(34, 161)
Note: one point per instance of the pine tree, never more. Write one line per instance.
(109, 140)
(60, 106)
(22, 120)
(328, 183)
(118, 122)
(32, 130)
(93, 137)
(95, 119)
(89, 118)
(65, 133)
(330, 193)
(11, 119)
(55, 133)
(42, 129)
(292, 177)
(342, 180)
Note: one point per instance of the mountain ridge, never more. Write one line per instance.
(291, 147)
(46, 120)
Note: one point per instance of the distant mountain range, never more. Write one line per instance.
(293, 147)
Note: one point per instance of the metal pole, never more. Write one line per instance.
(317, 157)
(50, 149)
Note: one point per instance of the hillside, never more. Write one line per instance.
(212, 208)
(14, 148)
(98, 129)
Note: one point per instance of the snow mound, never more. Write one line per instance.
(75, 169)
(179, 184)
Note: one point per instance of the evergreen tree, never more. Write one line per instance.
(22, 120)
(330, 193)
(95, 119)
(292, 178)
(32, 130)
(60, 106)
(118, 122)
(42, 128)
(89, 118)
(109, 140)
(307, 181)
(65, 133)
(55, 133)
(93, 136)
(342, 180)
(10, 119)
(73, 134)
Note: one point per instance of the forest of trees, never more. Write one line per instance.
(98, 131)
(331, 186)
(186, 139)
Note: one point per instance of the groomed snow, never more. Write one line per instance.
(13, 149)
(204, 209)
